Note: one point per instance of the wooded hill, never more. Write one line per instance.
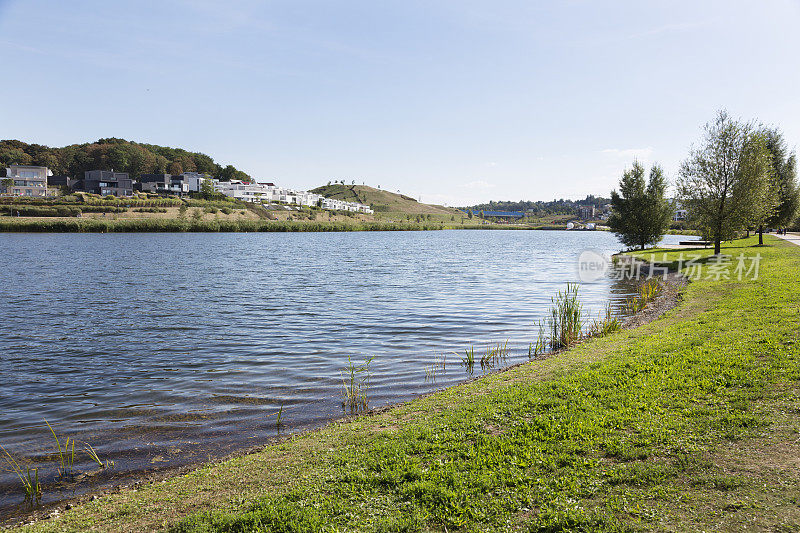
(117, 154)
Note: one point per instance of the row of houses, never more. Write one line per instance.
(269, 192)
(22, 180)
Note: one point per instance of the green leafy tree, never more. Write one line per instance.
(723, 183)
(757, 162)
(640, 210)
(470, 214)
(207, 189)
(784, 167)
(6, 184)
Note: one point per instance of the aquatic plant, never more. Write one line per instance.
(469, 359)
(494, 353)
(604, 325)
(355, 385)
(29, 477)
(66, 455)
(645, 293)
(438, 366)
(566, 318)
(90, 451)
(539, 348)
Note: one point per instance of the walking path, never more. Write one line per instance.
(791, 237)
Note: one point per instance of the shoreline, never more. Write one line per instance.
(173, 225)
(666, 301)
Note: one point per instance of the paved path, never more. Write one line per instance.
(791, 237)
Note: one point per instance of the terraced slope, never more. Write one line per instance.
(382, 201)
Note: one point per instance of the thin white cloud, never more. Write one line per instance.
(629, 153)
(478, 184)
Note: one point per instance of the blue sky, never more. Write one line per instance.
(455, 102)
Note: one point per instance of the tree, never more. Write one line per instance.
(640, 210)
(6, 183)
(784, 168)
(470, 214)
(723, 183)
(207, 189)
(175, 168)
(757, 161)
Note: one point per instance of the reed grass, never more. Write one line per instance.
(90, 451)
(355, 385)
(66, 455)
(645, 293)
(469, 358)
(438, 366)
(606, 324)
(28, 477)
(566, 318)
(540, 347)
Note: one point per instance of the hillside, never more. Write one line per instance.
(382, 201)
(117, 154)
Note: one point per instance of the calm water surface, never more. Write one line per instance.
(167, 349)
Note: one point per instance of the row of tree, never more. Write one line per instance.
(117, 154)
(741, 176)
(540, 208)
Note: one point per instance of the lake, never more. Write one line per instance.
(162, 350)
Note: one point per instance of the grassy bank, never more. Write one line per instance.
(688, 423)
(191, 225)
(186, 224)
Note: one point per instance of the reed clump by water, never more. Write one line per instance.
(439, 366)
(355, 385)
(494, 354)
(566, 325)
(606, 324)
(566, 318)
(645, 293)
(469, 358)
(28, 477)
(66, 454)
(90, 451)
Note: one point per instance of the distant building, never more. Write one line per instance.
(586, 212)
(60, 181)
(503, 215)
(163, 184)
(155, 183)
(194, 180)
(679, 212)
(27, 180)
(108, 182)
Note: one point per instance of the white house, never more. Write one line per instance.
(27, 180)
(268, 192)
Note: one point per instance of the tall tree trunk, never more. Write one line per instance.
(746, 235)
(760, 235)
(717, 246)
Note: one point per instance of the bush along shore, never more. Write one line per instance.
(154, 225)
(689, 422)
(191, 225)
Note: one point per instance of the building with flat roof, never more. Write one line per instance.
(108, 182)
(24, 180)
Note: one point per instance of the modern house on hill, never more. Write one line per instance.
(24, 180)
(108, 182)
(163, 184)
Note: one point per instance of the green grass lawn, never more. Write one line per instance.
(688, 423)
